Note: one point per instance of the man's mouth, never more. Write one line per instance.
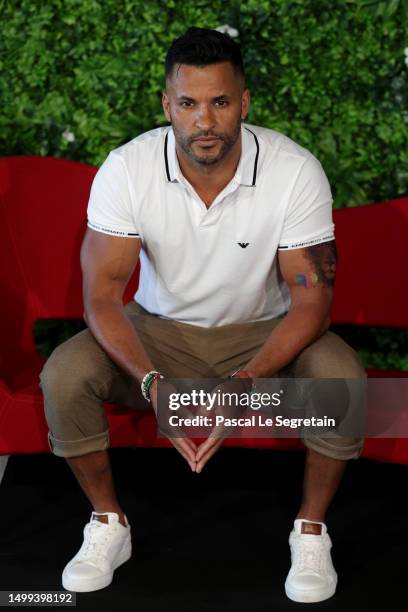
(206, 140)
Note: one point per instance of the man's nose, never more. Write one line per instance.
(205, 119)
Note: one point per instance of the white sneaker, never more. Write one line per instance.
(105, 547)
(312, 577)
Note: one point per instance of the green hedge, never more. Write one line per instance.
(331, 75)
(80, 77)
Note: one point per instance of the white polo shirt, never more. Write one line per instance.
(215, 266)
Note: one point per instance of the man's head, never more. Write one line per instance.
(205, 94)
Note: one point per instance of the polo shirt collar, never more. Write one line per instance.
(247, 169)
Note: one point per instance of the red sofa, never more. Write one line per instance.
(42, 222)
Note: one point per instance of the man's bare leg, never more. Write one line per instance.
(94, 474)
(322, 478)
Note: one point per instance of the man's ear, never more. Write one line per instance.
(246, 99)
(166, 106)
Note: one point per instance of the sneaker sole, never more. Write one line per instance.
(87, 585)
(310, 596)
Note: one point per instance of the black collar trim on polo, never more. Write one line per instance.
(166, 160)
(256, 156)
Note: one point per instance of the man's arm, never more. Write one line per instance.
(309, 273)
(107, 264)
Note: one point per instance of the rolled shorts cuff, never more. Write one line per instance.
(335, 448)
(75, 448)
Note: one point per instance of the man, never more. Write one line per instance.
(233, 226)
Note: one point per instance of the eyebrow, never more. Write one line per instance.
(187, 99)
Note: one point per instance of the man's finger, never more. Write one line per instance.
(210, 452)
(191, 444)
(218, 434)
(191, 463)
(178, 433)
(204, 447)
(185, 451)
(181, 444)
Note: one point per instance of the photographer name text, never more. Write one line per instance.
(255, 420)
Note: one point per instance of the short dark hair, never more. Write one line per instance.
(201, 47)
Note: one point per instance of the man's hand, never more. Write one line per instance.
(185, 446)
(210, 446)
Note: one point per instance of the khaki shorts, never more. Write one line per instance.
(79, 376)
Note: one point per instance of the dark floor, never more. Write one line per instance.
(215, 541)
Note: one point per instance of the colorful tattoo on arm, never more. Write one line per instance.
(300, 279)
(324, 259)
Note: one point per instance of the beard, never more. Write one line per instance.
(207, 157)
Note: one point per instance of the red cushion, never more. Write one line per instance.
(371, 285)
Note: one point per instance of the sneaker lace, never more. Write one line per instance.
(96, 538)
(308, 557)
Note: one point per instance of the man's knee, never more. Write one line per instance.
(73, 367)
(335, 447)
(334, 389)
(329, 357)
(74, 381)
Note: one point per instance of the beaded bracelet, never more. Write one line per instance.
(147, 382)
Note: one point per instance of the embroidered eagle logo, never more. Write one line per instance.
(243, 244)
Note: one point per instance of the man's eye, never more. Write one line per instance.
(185, 104)
(222, 102)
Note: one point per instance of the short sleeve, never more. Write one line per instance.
(309, 219)
(110, 206)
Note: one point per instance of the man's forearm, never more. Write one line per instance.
(303, 324)
(112, 329)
